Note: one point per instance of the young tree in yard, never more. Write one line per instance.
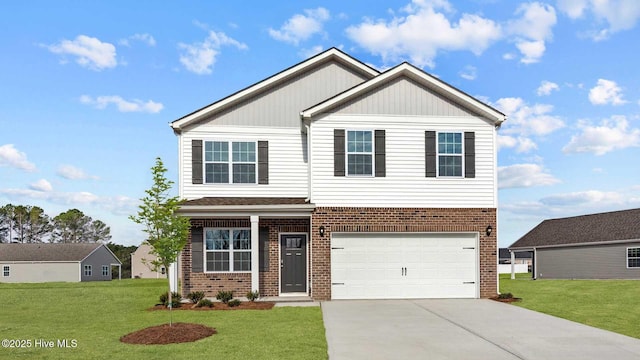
(166, 231)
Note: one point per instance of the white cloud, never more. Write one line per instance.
(618, 14)
(145, 38)
(135, 105)
(10, 156)
(119, 205)
(532, 29)
(90, 52)
(73, 173)
(424, 32)
(310, 52)
(520, 143)
(41, 185)
(546, 87)
(301, 27)
(524, 175)
(584, 197)
(200, 57)
(469, 73)
(612, 134)
(525, 119)
(606, 92)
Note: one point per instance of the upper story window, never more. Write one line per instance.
(359, 152)
(239, 167)
(450, 154)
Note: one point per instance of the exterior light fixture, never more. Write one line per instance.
(489, 230)
(321, 230)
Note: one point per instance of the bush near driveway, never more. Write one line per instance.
(97, 314)
(606, 304)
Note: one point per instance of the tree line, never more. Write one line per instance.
(29, 224)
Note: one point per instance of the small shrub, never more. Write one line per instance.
(253, 295)
(224, 296)
(205, 303)
(505, 296)
(175, 299)
(233, 303)
(196, 296)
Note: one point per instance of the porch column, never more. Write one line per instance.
(255, 253)
(513, 264)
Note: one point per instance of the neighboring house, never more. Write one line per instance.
(333, 180)
(56, 262)
(523, 257)
(596, 246)
(141, 264)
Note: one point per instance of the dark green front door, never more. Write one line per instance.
(293, 269)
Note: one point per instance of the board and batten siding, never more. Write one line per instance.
(405, 183)
(586, 262)
(280, 106)
(403, 96)
(288, 172)
(37, 272)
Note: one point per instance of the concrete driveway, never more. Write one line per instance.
(462, 329)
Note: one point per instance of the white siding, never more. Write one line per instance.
(287, 162)
(405, 184)
(42, 272)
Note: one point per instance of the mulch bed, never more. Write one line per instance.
(165, 334)
(505, 300)
(245, 305)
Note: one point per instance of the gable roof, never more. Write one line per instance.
(48, 252)
(407, 70)
(503, 253)
(332, 54)
(609, 227)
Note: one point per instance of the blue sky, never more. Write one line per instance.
(88, 89)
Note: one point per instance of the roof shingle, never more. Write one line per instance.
(602, 227)
(46, 252)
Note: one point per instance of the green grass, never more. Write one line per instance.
(605, 304)
(97, 314)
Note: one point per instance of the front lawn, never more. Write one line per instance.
(97, 314)
(605, 304)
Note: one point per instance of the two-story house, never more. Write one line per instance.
(334, 180)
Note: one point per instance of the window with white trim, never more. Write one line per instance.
(227, 250)
(6, 271)
(239, 167)
(633, 257)
(450, 154)
(105, 270)
(359, 152)
(88, 271)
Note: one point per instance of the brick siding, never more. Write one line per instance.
(346, 219)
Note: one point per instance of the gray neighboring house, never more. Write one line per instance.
(595, 246)
(30, 263)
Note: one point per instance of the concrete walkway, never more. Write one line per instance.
(462, 329)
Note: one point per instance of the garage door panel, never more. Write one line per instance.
(396, 266)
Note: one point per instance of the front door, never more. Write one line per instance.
(293, 263)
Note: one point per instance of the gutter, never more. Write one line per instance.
(533, 248)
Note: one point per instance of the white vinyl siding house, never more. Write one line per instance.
(343, 157)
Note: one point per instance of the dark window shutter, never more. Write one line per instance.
(196, 161)
(263, 162)
(264, 248)
(338, 152)
(381, 167)
(430, 153)
(469, 154)
(197, 258)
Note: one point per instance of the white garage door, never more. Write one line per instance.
(404, 266)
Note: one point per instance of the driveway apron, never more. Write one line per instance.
(462, 329)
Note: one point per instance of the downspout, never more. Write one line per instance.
(308, 199)
(308, 128)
